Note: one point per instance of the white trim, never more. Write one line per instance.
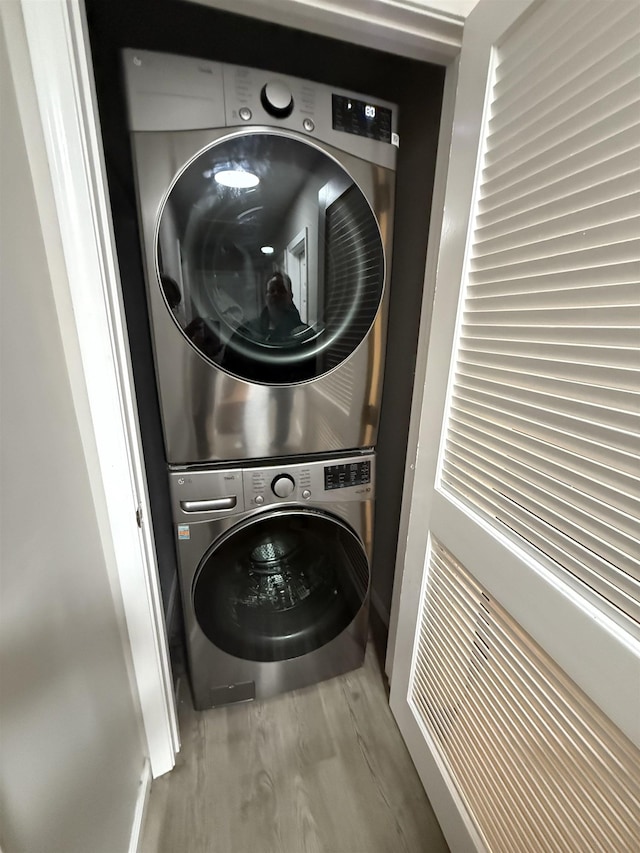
(455, 821)
(301, 283)
(409, 550)
(403, 27)
(57, 41)
(582, 640)
(139, 814)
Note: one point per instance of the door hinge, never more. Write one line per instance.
(139, 516)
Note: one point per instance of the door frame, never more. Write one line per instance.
(296, 250)
(58, 41)
(95, 329)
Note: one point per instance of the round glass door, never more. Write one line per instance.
(270, 258)
(280, 586)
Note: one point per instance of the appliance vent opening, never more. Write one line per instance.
(537, 764)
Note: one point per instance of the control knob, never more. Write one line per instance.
(277, 99)
(282, 485)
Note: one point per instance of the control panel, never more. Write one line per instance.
(362, 118)
(363, 126)
(168, 92)
(345, 479)
(347, 474)
(201, 495)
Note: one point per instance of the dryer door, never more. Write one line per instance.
(281, 585)
(270, 257)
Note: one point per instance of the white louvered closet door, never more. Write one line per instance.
(516, 676)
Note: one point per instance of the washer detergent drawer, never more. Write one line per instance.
(209, 505)
(203, 495)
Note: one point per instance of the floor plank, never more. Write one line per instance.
(319, 770)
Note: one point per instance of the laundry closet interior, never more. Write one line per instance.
(248, 465)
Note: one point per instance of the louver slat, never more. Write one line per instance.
(542, 155)
(559, 491)
(504, 718)
(587, 169)
(579, 205)
(512, 384)
(589, 217)
(616, 489)
(610, 542)
(600, 120)
(609, 71)
(584, 570)
(577, 236)
(531, 74)
(552, 37)
(543, 430)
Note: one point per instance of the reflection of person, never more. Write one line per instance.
(199, 331)
(204, 337)
(250, 352)
(171, 292)
(279, 320)
(277, 327)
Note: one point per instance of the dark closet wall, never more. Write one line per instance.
(193, 30)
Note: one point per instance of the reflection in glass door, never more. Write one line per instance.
(281, 585)
(297, 270)
(264, 277)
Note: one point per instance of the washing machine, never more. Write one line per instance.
(274, 564)
(266, 213)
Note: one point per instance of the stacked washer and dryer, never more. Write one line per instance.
(266, 215)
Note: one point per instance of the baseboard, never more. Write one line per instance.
(144, 788)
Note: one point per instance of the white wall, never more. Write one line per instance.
(72, 751)
(460, 8)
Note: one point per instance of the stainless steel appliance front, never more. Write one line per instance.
(241, 192)
(274, 569)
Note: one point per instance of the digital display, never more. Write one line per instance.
(361, 118)
(349, 474)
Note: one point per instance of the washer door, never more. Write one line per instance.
(280, 585)
(258, 204)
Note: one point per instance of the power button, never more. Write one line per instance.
(306, 494)
(308, 125)
(245, 113)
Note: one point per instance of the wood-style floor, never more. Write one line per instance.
(319, 770)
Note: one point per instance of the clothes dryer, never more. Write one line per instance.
(266, 214)
(274, 564)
